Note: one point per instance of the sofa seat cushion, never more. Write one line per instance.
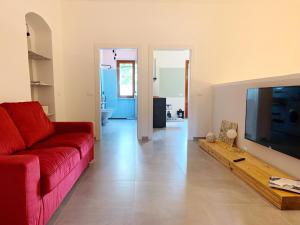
(30, 120)
(10, 138)
(55, 165)
(81, 141)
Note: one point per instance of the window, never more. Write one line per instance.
(126, 78)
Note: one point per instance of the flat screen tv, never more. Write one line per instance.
(273, 118)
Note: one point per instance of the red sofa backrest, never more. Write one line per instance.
(30, 120)
(10, 138)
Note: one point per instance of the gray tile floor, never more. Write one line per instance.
(167, 181)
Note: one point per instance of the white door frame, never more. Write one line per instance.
(192, 59)
(97, 48)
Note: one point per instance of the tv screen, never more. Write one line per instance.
(273, 118)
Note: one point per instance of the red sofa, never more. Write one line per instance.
(39, 162)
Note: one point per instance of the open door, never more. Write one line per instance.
(186, 89)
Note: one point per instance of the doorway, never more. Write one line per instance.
(186, 88)
(118, 91)
(171, 78)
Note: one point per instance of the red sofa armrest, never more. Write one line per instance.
(73, 127)
(20, 200)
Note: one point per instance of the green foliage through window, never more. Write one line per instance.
(126, 78)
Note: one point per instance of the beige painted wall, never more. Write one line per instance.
(259, 39)
(233, 40)
(14, 78)
(230, 104)
(87, 23)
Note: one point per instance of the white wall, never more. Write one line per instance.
(171, 59)
(14, 78)
(230, 104)
(167, 59)
(107, 56)
(233, 40)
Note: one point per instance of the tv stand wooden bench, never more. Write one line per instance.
(254, 172)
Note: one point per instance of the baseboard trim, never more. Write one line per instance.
(198, 138)
(145, 139)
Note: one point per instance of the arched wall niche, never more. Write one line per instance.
(39, 41)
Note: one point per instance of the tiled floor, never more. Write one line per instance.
(167, 181)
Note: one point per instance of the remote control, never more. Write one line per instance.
(238, 160)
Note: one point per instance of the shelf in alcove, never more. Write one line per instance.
(50, 114)
(41, 85)
(36, 56)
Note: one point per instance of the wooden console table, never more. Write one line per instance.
(254, 172)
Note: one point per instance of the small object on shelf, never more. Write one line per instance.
(225, 126)
(169, 115)
(238, 160)
(169, 107)
(231, 134)
(180, 113)
(210, 137)
(285, 184)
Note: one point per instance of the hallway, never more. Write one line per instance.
(167, 181)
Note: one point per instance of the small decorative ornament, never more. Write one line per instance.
(225, 126)
(231, 134)
(210, 137)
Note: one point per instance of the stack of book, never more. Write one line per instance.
(285, 184)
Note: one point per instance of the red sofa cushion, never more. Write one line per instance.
(55, 165)
(10, 138)
(30, 120)
(82, 141)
